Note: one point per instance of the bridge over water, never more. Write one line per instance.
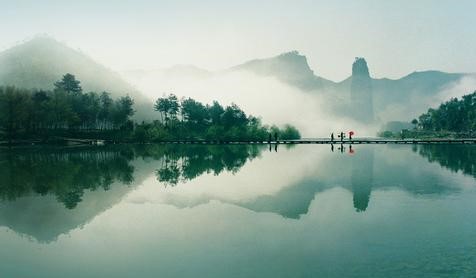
(329, 141)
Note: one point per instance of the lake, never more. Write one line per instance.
(239, 211)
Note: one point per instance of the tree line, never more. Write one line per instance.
(66, 108)
(455, 115)
(454, 118)
(187, 118)
(68, 111)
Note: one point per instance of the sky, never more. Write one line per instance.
(395, 37)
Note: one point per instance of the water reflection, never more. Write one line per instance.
(453, 157)
(362, 179)
(66, 174)
(49, 192)
(181, 164)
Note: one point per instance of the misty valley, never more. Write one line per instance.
(98, 179)
(237, 139)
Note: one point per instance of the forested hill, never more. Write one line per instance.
(456, 115)
(38, 63)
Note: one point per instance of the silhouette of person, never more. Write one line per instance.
(332, 147)
(276, 148)
(342, 136)
(332, 137)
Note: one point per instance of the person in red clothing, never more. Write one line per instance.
(351, 133)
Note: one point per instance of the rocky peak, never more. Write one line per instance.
(360, 68)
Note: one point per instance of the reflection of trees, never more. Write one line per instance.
(453, 157)
(69, 173)
(182, 163)
(63, 173)
(362, 178)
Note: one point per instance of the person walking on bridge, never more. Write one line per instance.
(332, 137)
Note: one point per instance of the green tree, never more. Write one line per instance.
(414, 123)
(194, 112)
(216, 112)
(14, 107)
(105, 110)
(69, 84)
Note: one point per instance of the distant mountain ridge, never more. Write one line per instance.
(392, 98)
(40, 62)
(290, 67)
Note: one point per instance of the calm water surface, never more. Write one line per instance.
(239, 211)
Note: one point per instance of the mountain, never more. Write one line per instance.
(290, 67)
(360, 96)
(361, 93)
(424, 83)
(40, 62)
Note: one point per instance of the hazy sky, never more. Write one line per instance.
(396, 37)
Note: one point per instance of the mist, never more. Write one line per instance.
(275, 102)
(464, 86)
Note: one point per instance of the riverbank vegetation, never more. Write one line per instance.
(67, 111)
(455, 118)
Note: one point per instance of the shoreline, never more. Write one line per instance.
(71, 143)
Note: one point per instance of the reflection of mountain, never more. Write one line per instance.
(359, 174)
(290, 202)
(38, 187)
(66, 174)
(362, 178)
(46, 193)
(294, 201)
(453, 157)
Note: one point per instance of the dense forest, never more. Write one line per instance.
(453, 118)
(64, 111)
(457, 115)
(67, 111)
